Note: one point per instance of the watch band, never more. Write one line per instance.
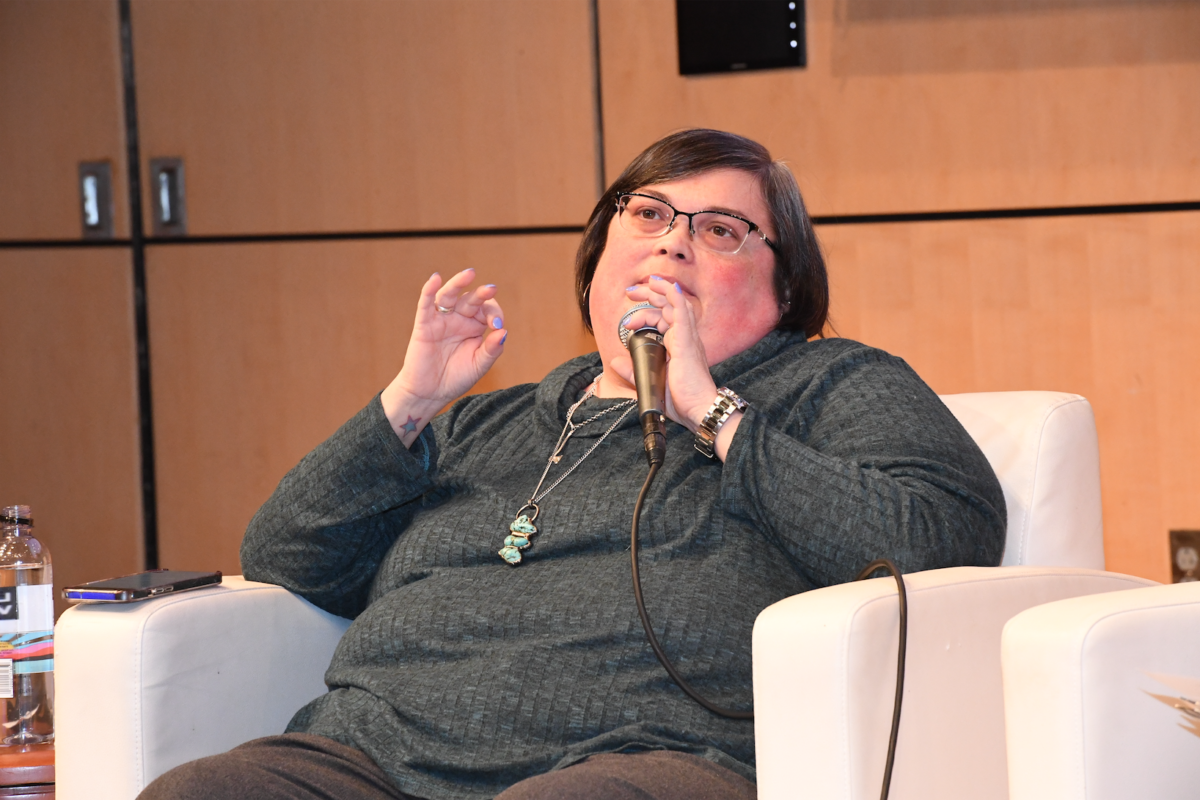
(718, 414)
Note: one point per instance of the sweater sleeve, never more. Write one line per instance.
(325, 530)
(864, 461)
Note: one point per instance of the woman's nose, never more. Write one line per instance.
(677, 241)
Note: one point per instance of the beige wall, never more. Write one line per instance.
(303, 116)
(60, 103)
(68, 407)
(921, 105)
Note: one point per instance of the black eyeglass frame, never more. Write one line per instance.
(692, 228)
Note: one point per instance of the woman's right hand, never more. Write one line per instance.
(448, 352)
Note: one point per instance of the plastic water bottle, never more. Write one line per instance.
(26, 632)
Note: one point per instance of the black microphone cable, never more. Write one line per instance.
(868, 571)
(641, 608)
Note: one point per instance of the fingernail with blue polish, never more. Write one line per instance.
(678, 288)
(502, 338)
(655, 278)
(489, 286)
(630, 288)
(497, 323)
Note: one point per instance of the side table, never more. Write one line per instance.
(27, 772)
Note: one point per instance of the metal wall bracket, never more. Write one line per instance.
(168, 197)
(96, 199)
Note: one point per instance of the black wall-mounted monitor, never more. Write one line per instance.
(737, 35)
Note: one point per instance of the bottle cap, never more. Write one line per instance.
(17, 515)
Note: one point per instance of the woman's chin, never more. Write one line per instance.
(612, 384)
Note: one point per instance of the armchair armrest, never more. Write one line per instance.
(146, 686)
(825, 677)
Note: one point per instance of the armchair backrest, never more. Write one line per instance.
(1043, 448)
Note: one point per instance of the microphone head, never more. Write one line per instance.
(624, 332)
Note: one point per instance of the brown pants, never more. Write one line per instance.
(299, 766)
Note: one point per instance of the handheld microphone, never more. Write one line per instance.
(645, 347)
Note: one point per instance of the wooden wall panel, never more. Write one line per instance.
(259, 352)
(1103, 306)
(68, 411)
(348, 115)
(60, 103)
(914, 105)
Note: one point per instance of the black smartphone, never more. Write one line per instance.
(154, 583)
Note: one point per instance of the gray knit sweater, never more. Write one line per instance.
(462, 675)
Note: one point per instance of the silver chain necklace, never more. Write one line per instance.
(522, 530)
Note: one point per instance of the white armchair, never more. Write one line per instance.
(1090, 688)
(145, 687)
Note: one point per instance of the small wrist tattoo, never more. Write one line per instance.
(411, 425)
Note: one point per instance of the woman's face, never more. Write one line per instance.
(733, 296)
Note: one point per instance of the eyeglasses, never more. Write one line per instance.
(643, 215)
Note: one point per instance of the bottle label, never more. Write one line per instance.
(27, 653)
(26, 632)
(24, 609)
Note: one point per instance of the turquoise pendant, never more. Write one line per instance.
(520, 537)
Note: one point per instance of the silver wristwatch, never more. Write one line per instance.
(718, 414)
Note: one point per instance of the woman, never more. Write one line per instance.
(483, 553)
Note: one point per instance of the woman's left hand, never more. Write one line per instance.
(690, 387)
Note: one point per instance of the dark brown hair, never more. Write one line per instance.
(801, 284)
